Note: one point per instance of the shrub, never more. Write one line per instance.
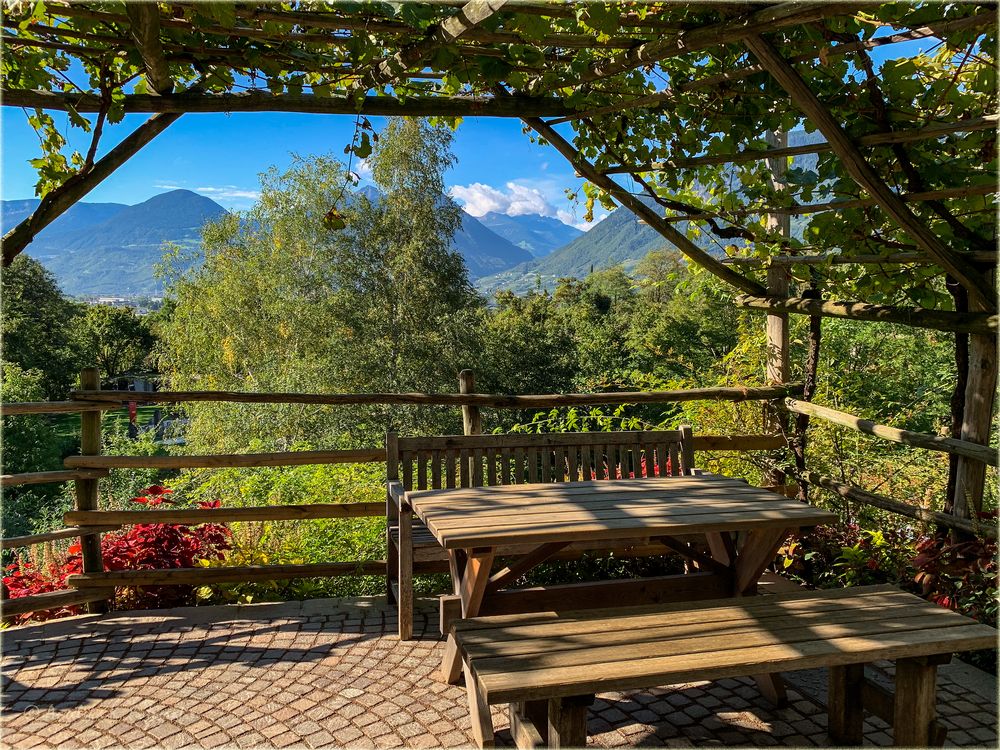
(144, 546)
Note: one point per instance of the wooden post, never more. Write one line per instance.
(844, 705)
(472, 420)
(86, 489)
(777, 322)
(916, 702)
(568, 721)
(980, 390)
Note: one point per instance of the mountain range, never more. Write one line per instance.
(111, 248)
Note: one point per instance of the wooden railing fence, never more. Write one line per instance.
(95, 585)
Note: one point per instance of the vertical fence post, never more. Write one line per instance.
(980, 392)
(86, 489)
(777, 323)
(472, 420)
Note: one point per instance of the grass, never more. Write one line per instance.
(68, 425)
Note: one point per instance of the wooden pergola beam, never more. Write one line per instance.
(812, 208)
(972, 125)
(260, 101)
(144, 25)
(394, 67)
(651, 217)
(918, 317)
(978, 256)
(866, 176)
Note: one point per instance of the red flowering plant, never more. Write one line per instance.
(144, 546)
(959, 575)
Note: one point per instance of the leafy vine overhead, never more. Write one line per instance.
(664, 104)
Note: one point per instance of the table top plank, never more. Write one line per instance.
(597, 510)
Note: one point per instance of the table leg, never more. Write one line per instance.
(471, 589)
(759, 549)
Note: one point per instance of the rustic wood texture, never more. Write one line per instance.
(982, 453)
(86, 495)
(980, 395)
(48, 477)
(292, 458)
(493, 400)
(525, 657)
(938, 320)
(935, 130)
(586, 511)
(50, 536)
(52, 600)
(53, 407)
(173, 105)
(144, 21)
(845, 711)
(857, 494)
(234, 573)
(224, 515)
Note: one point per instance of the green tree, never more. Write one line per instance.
(319, 288)
(37, 325)
(27, 443)
(115, 339)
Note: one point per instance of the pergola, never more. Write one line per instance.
(690, 103)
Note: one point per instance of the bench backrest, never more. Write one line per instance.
(480, 460)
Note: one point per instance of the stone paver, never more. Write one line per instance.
(331, 673)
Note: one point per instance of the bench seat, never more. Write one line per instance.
(560, 659)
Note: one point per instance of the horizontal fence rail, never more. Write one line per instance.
(51, 536)
(231, 460)
(52, 407)
(52, 600)
(489, 400)
(225, 574)
(983, 453)
(47, 477)
(852, 492)
(358, 456)
(117, 518)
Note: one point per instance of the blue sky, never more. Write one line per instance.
(220, 156)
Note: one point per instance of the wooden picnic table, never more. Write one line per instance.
(471, 523)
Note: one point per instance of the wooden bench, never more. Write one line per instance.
(445, 461)
(548, 666)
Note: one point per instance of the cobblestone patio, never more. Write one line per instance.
(330, 673)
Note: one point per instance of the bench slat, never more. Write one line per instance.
(712, 610)
(528, 657)
(632, 655)
(602, 677)
(542, 639)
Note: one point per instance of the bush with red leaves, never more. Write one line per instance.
(144, 546)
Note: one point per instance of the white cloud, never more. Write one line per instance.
(163, 186)
(517, 200)
(228, 192)
(521, 198)
(363, 169)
